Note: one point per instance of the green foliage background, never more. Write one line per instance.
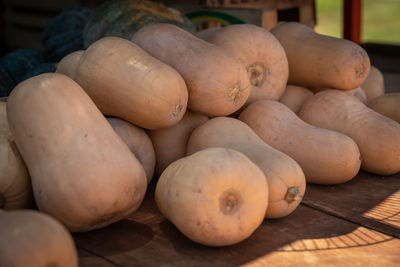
(380, 20)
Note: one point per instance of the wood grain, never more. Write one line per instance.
(307, 236)
(369, 200)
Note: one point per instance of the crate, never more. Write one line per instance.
(265, 13)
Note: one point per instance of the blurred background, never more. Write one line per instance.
(36, 34)
(380, 20)
(23, 21)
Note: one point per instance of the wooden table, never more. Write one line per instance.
(353, 224)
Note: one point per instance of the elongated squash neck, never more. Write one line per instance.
(293, 194)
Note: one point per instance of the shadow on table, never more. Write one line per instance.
(369, 200)
(120, 237)
(329, 219)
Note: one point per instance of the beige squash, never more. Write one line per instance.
(387, 105)
(357, 92)
(68, 64)
(294, 96)
(170, 143)
(260, 52)
(326, 157)
(374, 85)
(34, 239)
(377, 136)
(216, 197)
(218, 84)
(317, 60)
(126, 82)
(15, 183)
(138, 142)
(286, 181)
(82, 173)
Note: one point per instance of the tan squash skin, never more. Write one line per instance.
(138, 142)
(170, 143)
(285, 178)
(126, 82)
(216, 197)
(217, 83)
(68, 64)
(374, 85)
(317, 60)
(357, 92)
(15, 183)
(377, 136)
(326, 157)
(260, 52)
(34, 239)
(294, 96)
(387, 105)
(82, 173)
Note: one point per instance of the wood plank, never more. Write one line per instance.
(270, 4)
(369, 200)
(89, 260)
(269, 19)
(307, 13)
(146, 238)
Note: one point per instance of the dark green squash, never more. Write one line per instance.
(15, 65)
(122, 18)
(63, 34)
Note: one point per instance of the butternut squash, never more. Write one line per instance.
(294, 96)
(357, 92)
(126, 82)
(377, 136)
(15, 183)
(260, 52)
(68, 64)
(31, 238)
(217, 83)
(216, 197)
(326, 157)
(387, 105)
(170, 143)
(138, 142)
(374, 85)
(82, 173)
(284, 176)
(317, 60)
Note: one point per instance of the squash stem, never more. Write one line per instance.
(177, 110)
(2, 202)
(234, 93)
(293, 194)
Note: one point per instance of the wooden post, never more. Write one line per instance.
(352, 20)
(306, 13)
(269, 19)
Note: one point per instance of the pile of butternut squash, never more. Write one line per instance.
(231, 122)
